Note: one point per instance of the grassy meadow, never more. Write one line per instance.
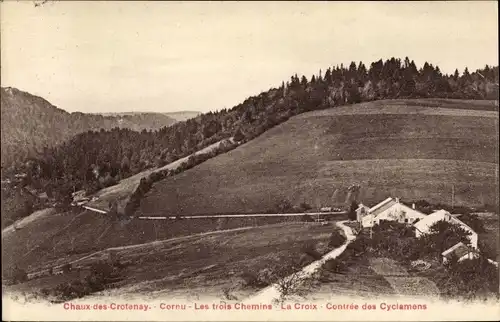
(411, 149)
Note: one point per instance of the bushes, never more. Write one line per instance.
(306, 218)
(288, 278)
(359, 246)
(284, 206)
(101, 275)
(441, 236)
(291, 281)
(67, 268)
(473, 222)
(310, 249)
(334, 265)
(254, 280)
(19, 275)
(336, 239)
(470, 279)
(304, 206)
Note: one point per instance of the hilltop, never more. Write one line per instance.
(31, 123)
(415, 149)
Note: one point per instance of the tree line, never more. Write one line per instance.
(96, 159)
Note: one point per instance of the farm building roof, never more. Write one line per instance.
(458, 250)
(424, 224)
(380, 204)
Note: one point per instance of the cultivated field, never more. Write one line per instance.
(412, 149)
(210, 262)
(60, 238)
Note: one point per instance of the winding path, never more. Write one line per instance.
(271, 292)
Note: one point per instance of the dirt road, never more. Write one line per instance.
(271, 292)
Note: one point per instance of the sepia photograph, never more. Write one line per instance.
(249, 161)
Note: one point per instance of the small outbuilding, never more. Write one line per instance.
(460, 251)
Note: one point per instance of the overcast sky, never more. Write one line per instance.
(167, 56)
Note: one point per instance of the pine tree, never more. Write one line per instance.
(407, 62)
(328, 76)
(303, 81)
(466, 73)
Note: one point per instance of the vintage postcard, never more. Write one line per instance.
(249, 161)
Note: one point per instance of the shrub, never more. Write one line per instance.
(306, 218)
(336, 239)
(304, 206)
(334, 265)
(290, 280)
(359, 246)
(101, 274)
(474, 222)
(19, 275)
(238, 135)
(310, 250)
(227, 294)
(67, 268)
(469, 279)
(441, 236)
(68, 291)
(252, 279)
(284, 206)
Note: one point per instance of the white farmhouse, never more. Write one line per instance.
(391, 210)
(424, 225)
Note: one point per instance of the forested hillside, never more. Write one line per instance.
(98, 157)
(30, 123)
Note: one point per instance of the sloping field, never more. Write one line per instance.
(210, 262)
(64, 237)
(412, 149)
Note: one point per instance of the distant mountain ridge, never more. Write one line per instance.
(30, 123)
(177, 115)
(183, 115)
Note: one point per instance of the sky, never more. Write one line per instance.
(205, 56)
